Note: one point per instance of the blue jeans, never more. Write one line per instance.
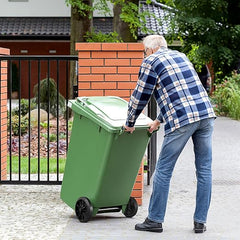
(173, 144)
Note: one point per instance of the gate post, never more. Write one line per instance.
(3, 114)
(111, 69)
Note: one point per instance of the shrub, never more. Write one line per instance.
(52, 137)
(227, 97)
(15, 125)
(24, 107)
(102, 37)
(70, 124)
(48, 97)
(45, 125)
(62, 135)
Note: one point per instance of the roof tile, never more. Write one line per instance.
(45, 27)
(158, 22)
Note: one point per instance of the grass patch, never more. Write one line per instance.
(145, 163)
(24, 166)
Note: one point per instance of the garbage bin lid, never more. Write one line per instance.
(111, 109)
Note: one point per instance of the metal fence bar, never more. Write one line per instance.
(29, 120)
(19, 123)
(39, 153)
(10, 119)
(152, 147)
(57, 120)
(17, 182)
(39, 57)
(67, 110)
(48, 133)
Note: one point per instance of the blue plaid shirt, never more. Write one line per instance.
(173, 81)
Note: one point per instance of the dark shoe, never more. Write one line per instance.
(199, 227)
(149, 225)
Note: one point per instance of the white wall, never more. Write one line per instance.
(39, 8)
(34, 8)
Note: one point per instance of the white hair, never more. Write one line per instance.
(154, 41)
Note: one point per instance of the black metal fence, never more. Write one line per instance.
(37, 139)
(37, 147)
(152, 146)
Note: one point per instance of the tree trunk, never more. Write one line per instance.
(79, 26)
(121, 27)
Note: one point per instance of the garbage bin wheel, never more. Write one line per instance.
(132, 208)
(83, 209)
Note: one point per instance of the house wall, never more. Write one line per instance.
(39, 48)
(42, 8)
(3, 114)
(34, 8)
(110, 69)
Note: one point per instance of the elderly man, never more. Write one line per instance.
(187, 112)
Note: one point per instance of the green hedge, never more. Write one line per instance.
(226, 97)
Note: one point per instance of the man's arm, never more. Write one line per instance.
(141, 95)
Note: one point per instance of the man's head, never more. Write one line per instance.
(152, 43)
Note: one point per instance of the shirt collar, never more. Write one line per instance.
(162, 49)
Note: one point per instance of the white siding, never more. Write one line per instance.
(40, 8)
(34, 8)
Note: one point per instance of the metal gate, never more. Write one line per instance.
(39, 121)
(36, 152)
(152, 146)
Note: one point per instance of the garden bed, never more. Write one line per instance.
(43, 143)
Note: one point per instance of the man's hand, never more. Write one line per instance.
(153, 126)
(129, 129)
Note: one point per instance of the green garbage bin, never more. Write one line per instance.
(102, 160)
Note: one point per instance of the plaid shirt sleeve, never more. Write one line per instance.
(146, 84)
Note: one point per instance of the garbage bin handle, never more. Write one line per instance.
(122, 130)
(149, 134)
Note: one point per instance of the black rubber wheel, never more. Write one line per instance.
(132, 208)
(83, 209)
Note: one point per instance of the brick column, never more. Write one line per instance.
(3, 114)
(110, 69)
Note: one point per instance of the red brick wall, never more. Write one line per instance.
(3, 114)
(110, 69)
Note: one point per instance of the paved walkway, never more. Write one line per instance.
(37, 212)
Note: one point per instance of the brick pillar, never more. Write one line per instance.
(3, 114)
(110, 69)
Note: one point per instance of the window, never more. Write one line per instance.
(52, 51)
(24, 51)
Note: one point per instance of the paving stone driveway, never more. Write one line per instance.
(37, 212)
